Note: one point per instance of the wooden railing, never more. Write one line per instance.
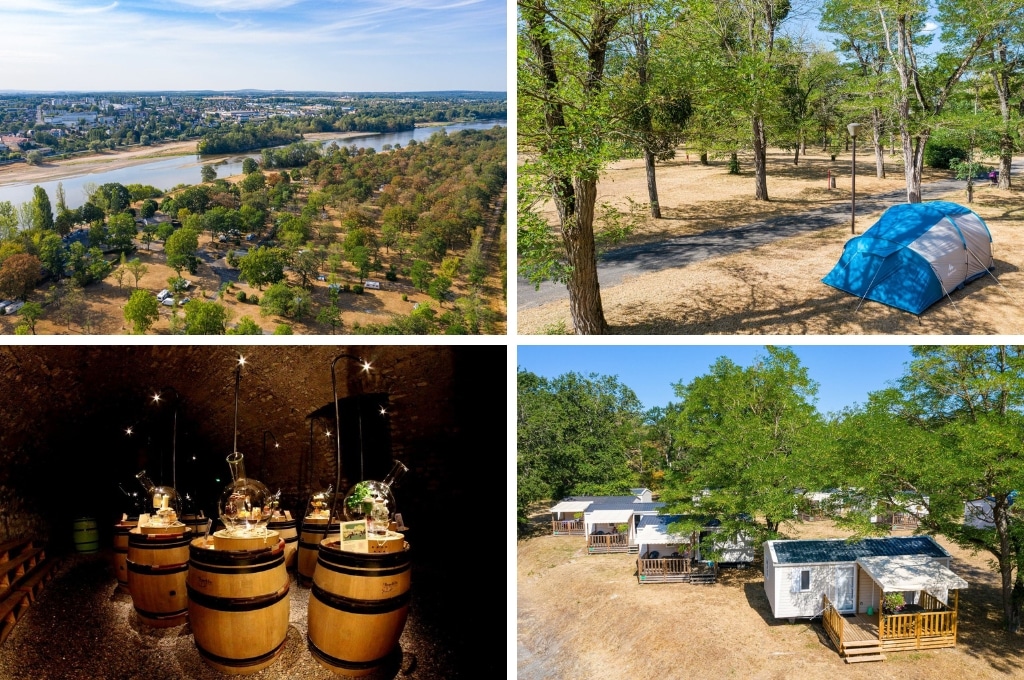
(663, 566)
(917, 625)
(608, 541)
(572, 527)
(931, 603)
(833, 622)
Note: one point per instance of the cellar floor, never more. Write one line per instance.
(83, 628)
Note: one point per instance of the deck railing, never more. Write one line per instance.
(572, 527)
(917, 625)
(833, 622)
(663, 566)
(608, 542)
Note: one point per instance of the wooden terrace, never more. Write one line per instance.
(675, 570)
(571, 527)
(610, 543)
(931, 625)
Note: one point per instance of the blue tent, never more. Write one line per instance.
(914, 255)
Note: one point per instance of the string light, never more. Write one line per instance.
(128, 431)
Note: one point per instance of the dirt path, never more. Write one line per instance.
(616, 265)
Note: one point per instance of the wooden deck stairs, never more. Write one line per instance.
(861, 651)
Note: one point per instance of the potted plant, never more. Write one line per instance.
(893, 603)
(621, 528)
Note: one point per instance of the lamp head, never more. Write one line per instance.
(853, 129)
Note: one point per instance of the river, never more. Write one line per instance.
(165, 173)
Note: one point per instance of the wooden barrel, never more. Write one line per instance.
(313, 533)
(87, 537)
(288, 528)
(121, 530)
(238, 605)
(197, 523)
(357, 608)
(157, 566)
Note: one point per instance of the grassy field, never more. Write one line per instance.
(776, 288)
(585, 616)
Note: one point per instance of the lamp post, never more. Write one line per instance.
(365, 368)
(853, 129)
(157, 397)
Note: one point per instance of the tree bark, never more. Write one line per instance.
(578, 237)
(796, 154)
(760, 160)
(652, 184)
(1001, 76)
(1002, 526)
(876, 132)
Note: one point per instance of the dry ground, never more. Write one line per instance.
(777, 289)
(585, 616)
(104, 301)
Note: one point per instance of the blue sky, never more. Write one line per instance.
(336, 45)
(845, 374)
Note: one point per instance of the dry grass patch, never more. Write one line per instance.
(585, 616)
(777, 289)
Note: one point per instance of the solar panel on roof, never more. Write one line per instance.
(811, 551)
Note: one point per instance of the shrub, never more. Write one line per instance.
(940, 153)
(357, 289)
(405, 298)
(254, 299)
(241, 296)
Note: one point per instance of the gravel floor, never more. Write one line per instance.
(82, 627)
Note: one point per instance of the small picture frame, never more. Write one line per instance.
(353, 536)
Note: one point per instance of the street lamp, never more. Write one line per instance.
(365, 368)
(853, 129)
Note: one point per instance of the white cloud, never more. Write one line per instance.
(929, 26)
(236, 5)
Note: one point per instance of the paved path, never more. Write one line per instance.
(616, 265)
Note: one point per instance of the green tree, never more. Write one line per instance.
(8, 220)
(948, 432)
(284, 300)
(72, 302)
(208, 173)
(42, 213)
(261, 266)
(306, 264)
(180, 248)
(121, 232)
(136, 269)
(142, 310)
(746, 436)
(249, 166)
(439, 288)
(147, 209)
(253, 181)
(53, 254)
(30, 313)
(575, 435)
(205, 318)
(245, 326)
(164, 231)
(421, 275)
(563, 126)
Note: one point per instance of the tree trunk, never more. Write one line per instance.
(760, 160)
(704, 158)
(1006, 564)
(913, 152)
(1001, 76)
(577, 219)
(876, 132)
(652, 184)
(796, 154)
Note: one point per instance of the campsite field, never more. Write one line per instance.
(585, 616)
(776, 288)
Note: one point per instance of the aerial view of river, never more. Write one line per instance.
(165, 173)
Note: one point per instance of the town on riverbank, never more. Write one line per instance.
(278, 226)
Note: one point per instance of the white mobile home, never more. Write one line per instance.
(667, 557)
(845, 584)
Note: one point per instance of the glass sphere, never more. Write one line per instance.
(163, 505)
(319, 506)
(372, 501)
(245, 506)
